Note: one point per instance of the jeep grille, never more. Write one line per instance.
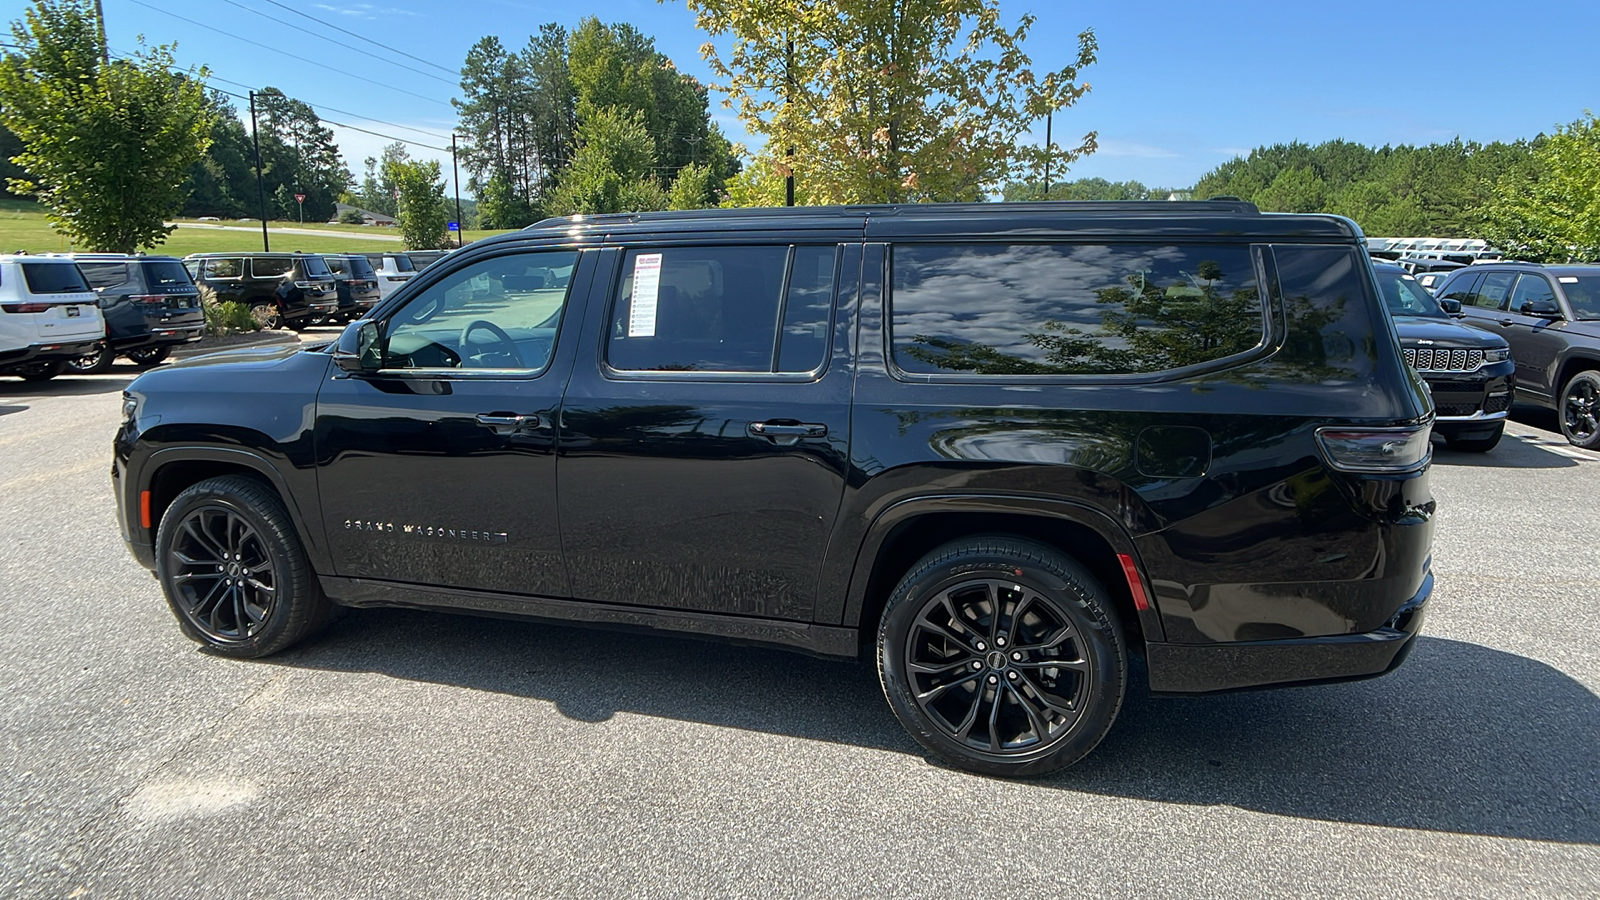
(1426, 360)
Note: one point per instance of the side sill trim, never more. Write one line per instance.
(817, 640)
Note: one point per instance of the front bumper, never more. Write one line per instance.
(1242, 665)
(1473, 397)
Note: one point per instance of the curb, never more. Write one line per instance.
(263, 339)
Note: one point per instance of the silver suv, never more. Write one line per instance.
(48, 315)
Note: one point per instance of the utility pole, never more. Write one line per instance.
(100, 18)
(788, 72)
(261, 188)
(299, 188)
(455, 176)
(1047, 155)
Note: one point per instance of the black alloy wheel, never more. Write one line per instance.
(1002, 656)
(1580, 410)
(149, 356)
(40, 371)
(95, 362)
(234, 571)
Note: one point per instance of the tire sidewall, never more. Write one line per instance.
(1593, 441)
(101, 364)
(1075, 592)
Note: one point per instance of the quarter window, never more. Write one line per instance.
(1071, 309)
(723, 309)
(104, 275)
(498, 313)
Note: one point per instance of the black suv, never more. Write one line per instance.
(1469, 372)
(1550, 315)
(280, 288)
(998, 448)
(358, 285)
(150, 304)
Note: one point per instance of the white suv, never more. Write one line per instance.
(48, 315)
(393, 270)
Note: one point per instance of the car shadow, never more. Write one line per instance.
(7, 410)
(1461, 739)
(68, 385)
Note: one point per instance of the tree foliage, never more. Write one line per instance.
(223, 181)
(299, 156)
(1549, 210)
(106, 146)
(613, 171)
(885, 102)
(421, 208)
(1083, 189)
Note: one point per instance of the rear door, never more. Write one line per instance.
(705, 434)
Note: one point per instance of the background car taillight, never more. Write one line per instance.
(149, 299)
(24, 307)
(1388, 451)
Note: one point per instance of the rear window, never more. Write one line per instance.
(166, 274)
(315, 267)
(1071, 309)
(403, 264)
(358, 266)
(54, 278)
(270, 266)
(104, 274)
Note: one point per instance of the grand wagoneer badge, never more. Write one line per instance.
(426, 531)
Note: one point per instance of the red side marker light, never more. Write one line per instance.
(144, 508)
(1141, 602)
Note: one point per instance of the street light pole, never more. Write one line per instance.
(261, 189)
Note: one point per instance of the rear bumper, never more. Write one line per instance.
(159, 336)
(1242, 665)
(48, 352)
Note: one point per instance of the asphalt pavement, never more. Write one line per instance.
(412, 754)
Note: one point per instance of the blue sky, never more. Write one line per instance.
(1180, 86)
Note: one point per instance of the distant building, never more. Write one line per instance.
(368, 217)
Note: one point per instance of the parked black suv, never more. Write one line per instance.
(357, 283)
(1550, 315)
(150, 305)
(1468, 371)
(997, 447)
(280, 288)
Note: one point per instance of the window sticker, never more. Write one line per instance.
(1568, 279)
(646, 286)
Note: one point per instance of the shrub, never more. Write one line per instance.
(229, 318)
(351, 217)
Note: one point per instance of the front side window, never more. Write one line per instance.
(1532, 289)
(723, 309)
(270, 266)
(1491, 294)
(499, 313)
(1071, 309)
(1460, 288)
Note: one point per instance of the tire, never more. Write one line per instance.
(939, 616)
(266, 315)
(298, 325)
(40, 371)
(1579, 410)
(96, 363)
(1476, 445)
(149, 356)
(266, 599)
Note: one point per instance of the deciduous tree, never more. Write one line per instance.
(1550, 212)
(421, 209)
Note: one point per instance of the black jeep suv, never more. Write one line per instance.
(280, 288)
(998, 448)
(1550, 315)
(1469, 371)
(150, 304)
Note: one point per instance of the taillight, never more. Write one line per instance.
(25, 307)
(151, 299)
(1386, 451)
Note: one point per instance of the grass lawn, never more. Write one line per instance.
(23, 227)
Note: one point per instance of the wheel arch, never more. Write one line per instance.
(1571, 366)
(908, 530)
(174, 469)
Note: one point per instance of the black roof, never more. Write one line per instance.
(1133, 219)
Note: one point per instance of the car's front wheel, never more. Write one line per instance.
(1580, 410)
(1002, 656)
(234, 571)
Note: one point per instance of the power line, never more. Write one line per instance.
(280, 52)
(330, 40)
(362, 116)
(362, 37)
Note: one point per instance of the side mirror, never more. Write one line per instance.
(360, 347)
(1453, 307)
(1546, 308)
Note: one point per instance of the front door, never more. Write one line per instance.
(704, 440)
(1536, 340)
(440, 468)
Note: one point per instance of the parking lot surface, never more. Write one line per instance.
(405, 753)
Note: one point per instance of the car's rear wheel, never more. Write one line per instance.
(1477, 444)
(234, 571)
(149, 356)
(266, 315)
(40, 371)
(1580, 410)
(95, 362)
(1002, 656)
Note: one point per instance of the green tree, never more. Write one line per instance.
(223, 182)
(421, 209)
(880, 102)
(614, 168)
(1550, 211)
(300, 156)
(106, 146)
(1298, 189)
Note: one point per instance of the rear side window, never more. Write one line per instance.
(1071, 309)
(723, 309)
(403, 264)
(270, 266)
(54, 278)
(104, 274)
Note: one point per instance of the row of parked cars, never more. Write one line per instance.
(78, 312)
(1484, 333)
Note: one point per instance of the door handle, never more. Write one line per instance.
(504, 423)
(787, 431)
(1507, 323)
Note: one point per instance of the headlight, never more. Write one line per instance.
(130, 408)
(1499, 354)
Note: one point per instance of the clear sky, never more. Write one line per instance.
(1180, 86)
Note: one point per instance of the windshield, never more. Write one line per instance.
(1405, 297)
(1583, 292)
